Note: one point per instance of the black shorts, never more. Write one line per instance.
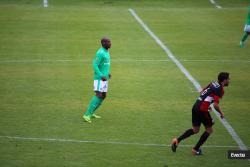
(199, 117)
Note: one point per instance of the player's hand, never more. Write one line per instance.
(104, 79)
(110, 76)
(221, 115)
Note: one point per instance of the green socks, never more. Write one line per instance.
(245, 35)
(94, 104)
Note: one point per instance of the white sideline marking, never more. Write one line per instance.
(168, 52)
(229, 128)
(219, 61)
(105, 142)
(45, 3)
(121, 60)
(86, 60)
(214, 3)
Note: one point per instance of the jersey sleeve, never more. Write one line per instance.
(96, 62)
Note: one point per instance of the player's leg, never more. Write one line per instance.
(95, 101)
(245, 35)
(189, 132)
(101, 96)
(243, 39)
(208, 123)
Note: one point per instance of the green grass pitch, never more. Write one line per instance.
(46, 81)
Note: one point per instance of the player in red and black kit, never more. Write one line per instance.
(200, 112)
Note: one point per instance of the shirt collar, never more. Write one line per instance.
(106, 50)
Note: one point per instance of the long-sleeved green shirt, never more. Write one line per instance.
(101, 64)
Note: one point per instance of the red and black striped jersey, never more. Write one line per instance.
(212, 93)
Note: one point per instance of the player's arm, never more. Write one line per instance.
(217, 107)
(96, 62)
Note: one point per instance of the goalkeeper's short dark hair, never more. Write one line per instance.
(223, 76)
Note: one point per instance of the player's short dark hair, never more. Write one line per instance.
(223, 76)
(104, 39)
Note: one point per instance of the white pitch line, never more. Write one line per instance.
(215, 4)
(86, 61)
(218, 61)
(120, 60)
(38, 61)
(168, 52)
(229, 128)
(105, 142)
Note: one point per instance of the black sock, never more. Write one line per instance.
(185, 135)
(202, 140)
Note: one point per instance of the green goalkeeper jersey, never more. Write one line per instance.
(248, 17)
(101, 64)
